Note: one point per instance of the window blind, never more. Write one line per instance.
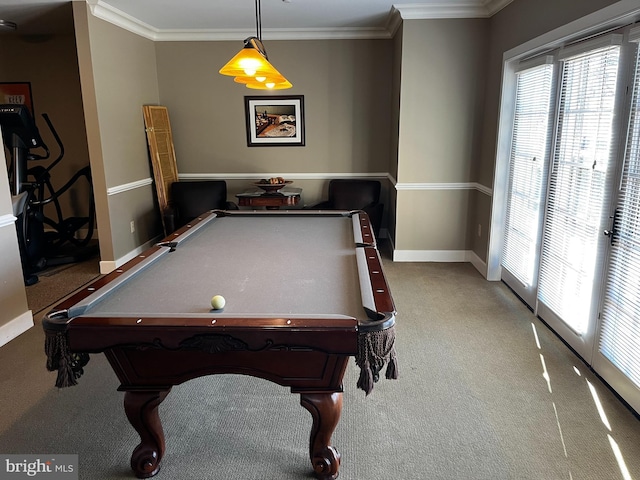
(527, 171)
(620, 323)
(577, 195)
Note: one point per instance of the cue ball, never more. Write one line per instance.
(217, 302)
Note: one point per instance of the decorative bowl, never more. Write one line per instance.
(272, 187)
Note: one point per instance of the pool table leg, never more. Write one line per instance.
(142, 411)
(325, 408)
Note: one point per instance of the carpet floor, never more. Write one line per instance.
(486, 392)
(55, 283)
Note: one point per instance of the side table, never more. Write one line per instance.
(256, 197)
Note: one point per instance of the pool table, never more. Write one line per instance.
(304, 291)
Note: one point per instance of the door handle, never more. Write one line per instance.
(612, 234)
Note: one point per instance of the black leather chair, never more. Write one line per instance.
(188, 199)
(353, 194)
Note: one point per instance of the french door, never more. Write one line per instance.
(578, 238)
(618, 342)
(527, 177)
(580, 185)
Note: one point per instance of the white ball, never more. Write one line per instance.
(217, 302)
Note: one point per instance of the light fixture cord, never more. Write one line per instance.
(259, 20)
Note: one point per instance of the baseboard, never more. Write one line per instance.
(431, 255)
(15, 327)
(445, 256)
(477, 262)
(108, 266)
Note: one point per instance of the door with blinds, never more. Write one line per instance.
(573, 252)
(528, 161)
(617, 357)
(581, 178)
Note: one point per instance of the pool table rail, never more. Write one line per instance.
(91, 334)
(150, 352)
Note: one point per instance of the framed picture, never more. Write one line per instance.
(275, 120)
(17, 93)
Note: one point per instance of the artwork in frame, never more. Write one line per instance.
(275, 120)
(16, 93)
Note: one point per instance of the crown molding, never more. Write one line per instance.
(431, 9)
(106, 12)
(119, 18)
(273, 34)
(494, 6)
(438, 9)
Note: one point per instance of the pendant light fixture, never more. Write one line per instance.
(251, 67)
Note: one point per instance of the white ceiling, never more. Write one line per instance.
(235, 19)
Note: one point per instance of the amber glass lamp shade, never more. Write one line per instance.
(248, 62)
(251, 67)
(264, 83)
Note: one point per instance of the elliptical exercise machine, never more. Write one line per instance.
(32, 190)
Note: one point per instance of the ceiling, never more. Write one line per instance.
(234, 19)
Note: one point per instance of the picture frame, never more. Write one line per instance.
(17, 93)
(275, 120)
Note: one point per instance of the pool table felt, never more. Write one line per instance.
(293, 266)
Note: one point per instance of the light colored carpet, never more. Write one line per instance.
(471, 404)
(57, 282)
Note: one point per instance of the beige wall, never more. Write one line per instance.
(396, 88)
(15, 316)
(442, 83)
(345, 84)
(118, 76)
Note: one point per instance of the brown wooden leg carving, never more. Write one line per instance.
(325, 409)
(142, 411)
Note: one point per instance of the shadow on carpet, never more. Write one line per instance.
(55, 283)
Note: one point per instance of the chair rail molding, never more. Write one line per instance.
(441, 186)
(6, 220)
(297, 176)
(444, 186)
(129, 186)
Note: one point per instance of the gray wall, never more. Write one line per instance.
(346, 103)
(514, 25)
(442, 84)
(15, 316)
(118, 75)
